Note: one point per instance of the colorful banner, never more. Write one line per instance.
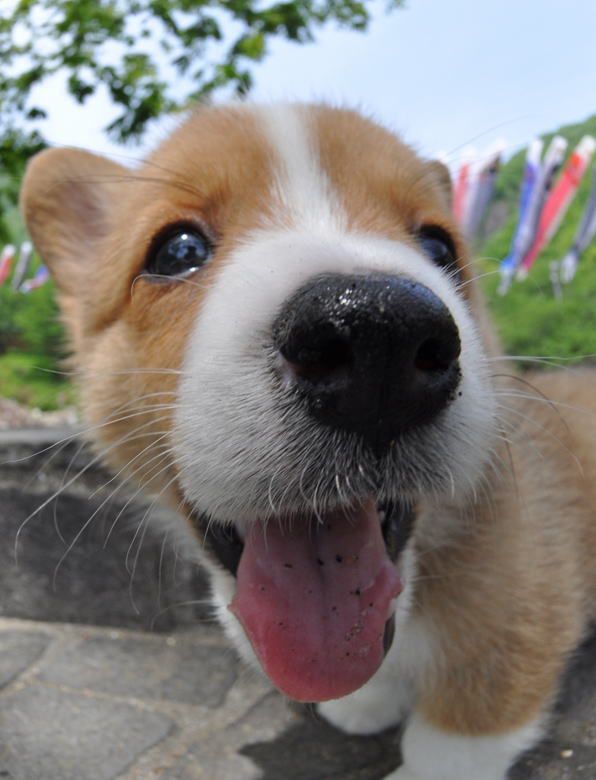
(539, 178)
(40, 278)
(22, 266)
(6, 259)
(481, 192)
(531, 174)
(462, 185)
(559, 201)
(586, 233)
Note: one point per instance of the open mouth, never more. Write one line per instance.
(315, 595)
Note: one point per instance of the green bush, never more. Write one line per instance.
(31, 380)
(31, 322)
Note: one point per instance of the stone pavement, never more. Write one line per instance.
(87, 692)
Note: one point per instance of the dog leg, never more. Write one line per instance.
(432, 754)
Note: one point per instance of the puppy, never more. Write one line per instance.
(279, 333)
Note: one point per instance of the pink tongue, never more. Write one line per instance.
(314, 600)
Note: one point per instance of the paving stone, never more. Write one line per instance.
(182, 668)
(47, 734)
(18, 650)
(218, 756)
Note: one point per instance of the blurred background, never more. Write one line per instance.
(470, 83)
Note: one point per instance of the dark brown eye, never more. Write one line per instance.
(438, 246)
(178, 252)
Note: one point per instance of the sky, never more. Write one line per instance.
(446, 74)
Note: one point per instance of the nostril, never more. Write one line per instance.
(324, 361)
(432, 357)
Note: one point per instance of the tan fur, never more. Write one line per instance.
(512, 594)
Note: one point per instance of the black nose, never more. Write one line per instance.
(374, 355)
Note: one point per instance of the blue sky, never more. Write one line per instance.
(445, 73)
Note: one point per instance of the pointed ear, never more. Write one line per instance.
(65, 200)
(442, 176)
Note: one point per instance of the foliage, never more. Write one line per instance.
(532, 321)
(31, 380)
(15, 149)
(152, 56)
(32, 348)
(31, 322)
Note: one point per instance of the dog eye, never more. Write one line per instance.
(180, 251)
(438, 246)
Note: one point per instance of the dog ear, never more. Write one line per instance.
(442, 177)
(65, 200)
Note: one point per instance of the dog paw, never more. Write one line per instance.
(375, 707)
(358, 718)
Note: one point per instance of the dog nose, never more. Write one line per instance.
(373, 355)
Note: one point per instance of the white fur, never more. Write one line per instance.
(301, 190)
(430, 754)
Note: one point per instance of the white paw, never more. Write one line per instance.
(402, 774)
(378, 705)
(359, 717)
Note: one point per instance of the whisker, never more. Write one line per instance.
(541, 428)
(525, 382)
(475, 278)
(189, 603)
(162, 552)
(145, 522)
(66, 485)
(167, 451)
(80, 372)
(547, 401)
(88, 522)
(553, 360)
(85, 431)
(161, 434)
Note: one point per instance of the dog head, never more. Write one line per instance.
(278, 331)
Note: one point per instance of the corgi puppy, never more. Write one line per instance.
(279, 333)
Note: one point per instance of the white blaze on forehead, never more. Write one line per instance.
(302, 190)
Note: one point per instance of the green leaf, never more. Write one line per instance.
(94, 43)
